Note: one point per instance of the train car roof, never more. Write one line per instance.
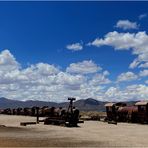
(142, 103)
(109, 104)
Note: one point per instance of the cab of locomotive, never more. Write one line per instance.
(110, 110)
(142, 111)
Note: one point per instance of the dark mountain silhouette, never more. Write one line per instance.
(8, 103)
(83, 104)
(90, 105)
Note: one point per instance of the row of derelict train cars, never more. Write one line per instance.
(115, 112)
(121, 112)
(56, 116)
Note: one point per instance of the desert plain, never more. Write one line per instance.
(89, 134)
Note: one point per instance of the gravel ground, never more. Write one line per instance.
(89, 134)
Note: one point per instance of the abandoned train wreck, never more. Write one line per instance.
(120, 112)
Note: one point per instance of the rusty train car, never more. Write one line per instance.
(142, 114)
(120, 112)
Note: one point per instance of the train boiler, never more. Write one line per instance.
(127, 114)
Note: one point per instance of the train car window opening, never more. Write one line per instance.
(109, 109)
(142, 108)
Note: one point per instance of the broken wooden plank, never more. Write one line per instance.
(26, 123)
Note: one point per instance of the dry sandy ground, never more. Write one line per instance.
(89, 134)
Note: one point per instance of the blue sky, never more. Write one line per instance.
(40, 32)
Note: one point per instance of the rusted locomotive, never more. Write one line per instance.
(62, 117)
(112, 110)
(142, 114)
(120, 112)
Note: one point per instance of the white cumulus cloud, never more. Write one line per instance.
(145, 65)
(137, 42)
(128, 76)
(75, 46)
(7, 61)
(132, 92)
(144, 73)
(141, 16)
(126, 24)
(99, 79)
(84, 67)
(42, 81)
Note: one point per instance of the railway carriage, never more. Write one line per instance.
(119, 112)
(142, 111)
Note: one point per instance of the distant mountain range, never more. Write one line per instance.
(83, 104)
